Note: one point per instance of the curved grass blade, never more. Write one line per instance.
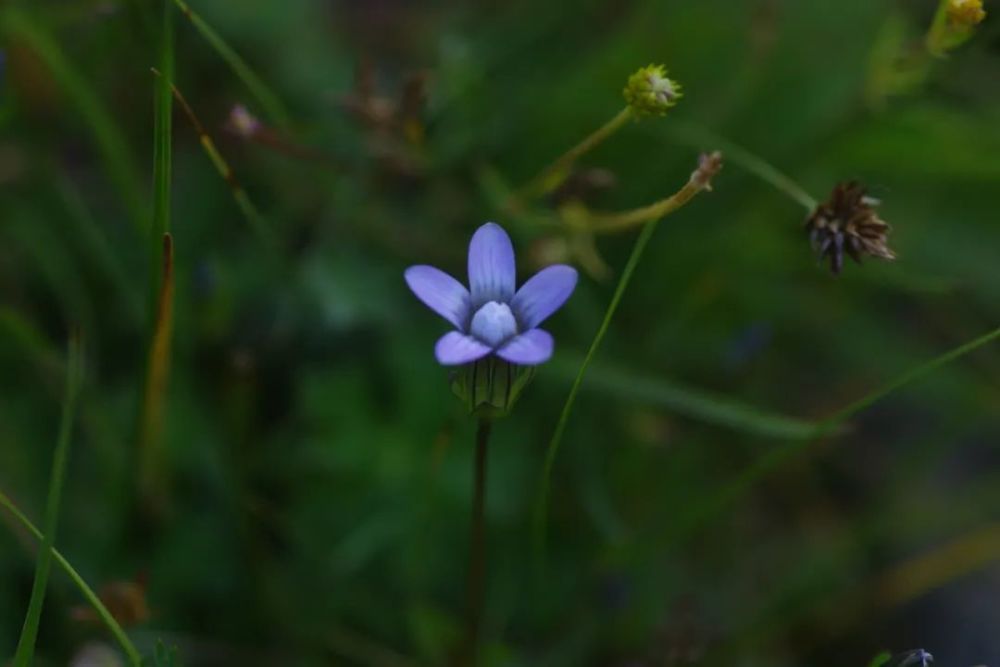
(134, 657)
(29, 633)
(700, 512)
(699, 182)
(108, 139)
(691, 402)
(267, 100)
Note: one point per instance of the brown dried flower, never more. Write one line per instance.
(848, 222)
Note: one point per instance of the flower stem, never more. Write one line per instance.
(477, 550)
(936, 41)
(550, 177)
(43, 565)
(616, 222)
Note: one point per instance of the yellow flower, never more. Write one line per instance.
(966, 13)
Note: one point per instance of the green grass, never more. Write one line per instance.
(108, 139)
(134, 657)
(151, 462)
(752, 446)
(23, 657)
(269, 102)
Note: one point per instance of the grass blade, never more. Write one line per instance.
(162, 140)
(134, 657)
(708, 508)
(258, 223)
(161, 276)
(108, 139)
(699, 182)
(157, 373)
(268, 101)
(29, 633)
(694, 403)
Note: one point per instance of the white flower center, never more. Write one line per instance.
(662, 88)
(493, 324)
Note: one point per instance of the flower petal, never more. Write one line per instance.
(491, 265)
(440, 292)
(543, 294)
(455, 348)
(528, 349)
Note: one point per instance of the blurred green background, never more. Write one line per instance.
(314, 472)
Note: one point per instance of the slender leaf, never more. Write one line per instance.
(108, 138)
(268, 101)
(29, 633)
(690, 402)
(134, 657)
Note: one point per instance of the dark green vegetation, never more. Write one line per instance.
(273, 471)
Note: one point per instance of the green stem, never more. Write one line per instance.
(268, 101)
(778, 456)
(134, 657)
(555, 173)
(541, 508)
(616, 222)
(936, 41)
(29, 633)
(700, 180)
(477, 551)
(258, 223)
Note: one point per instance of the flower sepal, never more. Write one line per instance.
(490, 386)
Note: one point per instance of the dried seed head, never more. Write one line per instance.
(650, 92)
(709, 164)
(848, 223)
(966, 13)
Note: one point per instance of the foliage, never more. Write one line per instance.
(764, 464)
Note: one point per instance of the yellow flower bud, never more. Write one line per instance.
(966, 13)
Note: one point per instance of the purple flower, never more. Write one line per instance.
(492, 317)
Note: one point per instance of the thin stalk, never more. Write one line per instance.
(29, 633)
(700, 180)
(258, 223)
(776, 457)
(477, 550)
(551, 176)
(615, 222)
(268, 101)
(162, 141)
(942, 36)
(542, 505)
(134, 657)
(692, 134)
